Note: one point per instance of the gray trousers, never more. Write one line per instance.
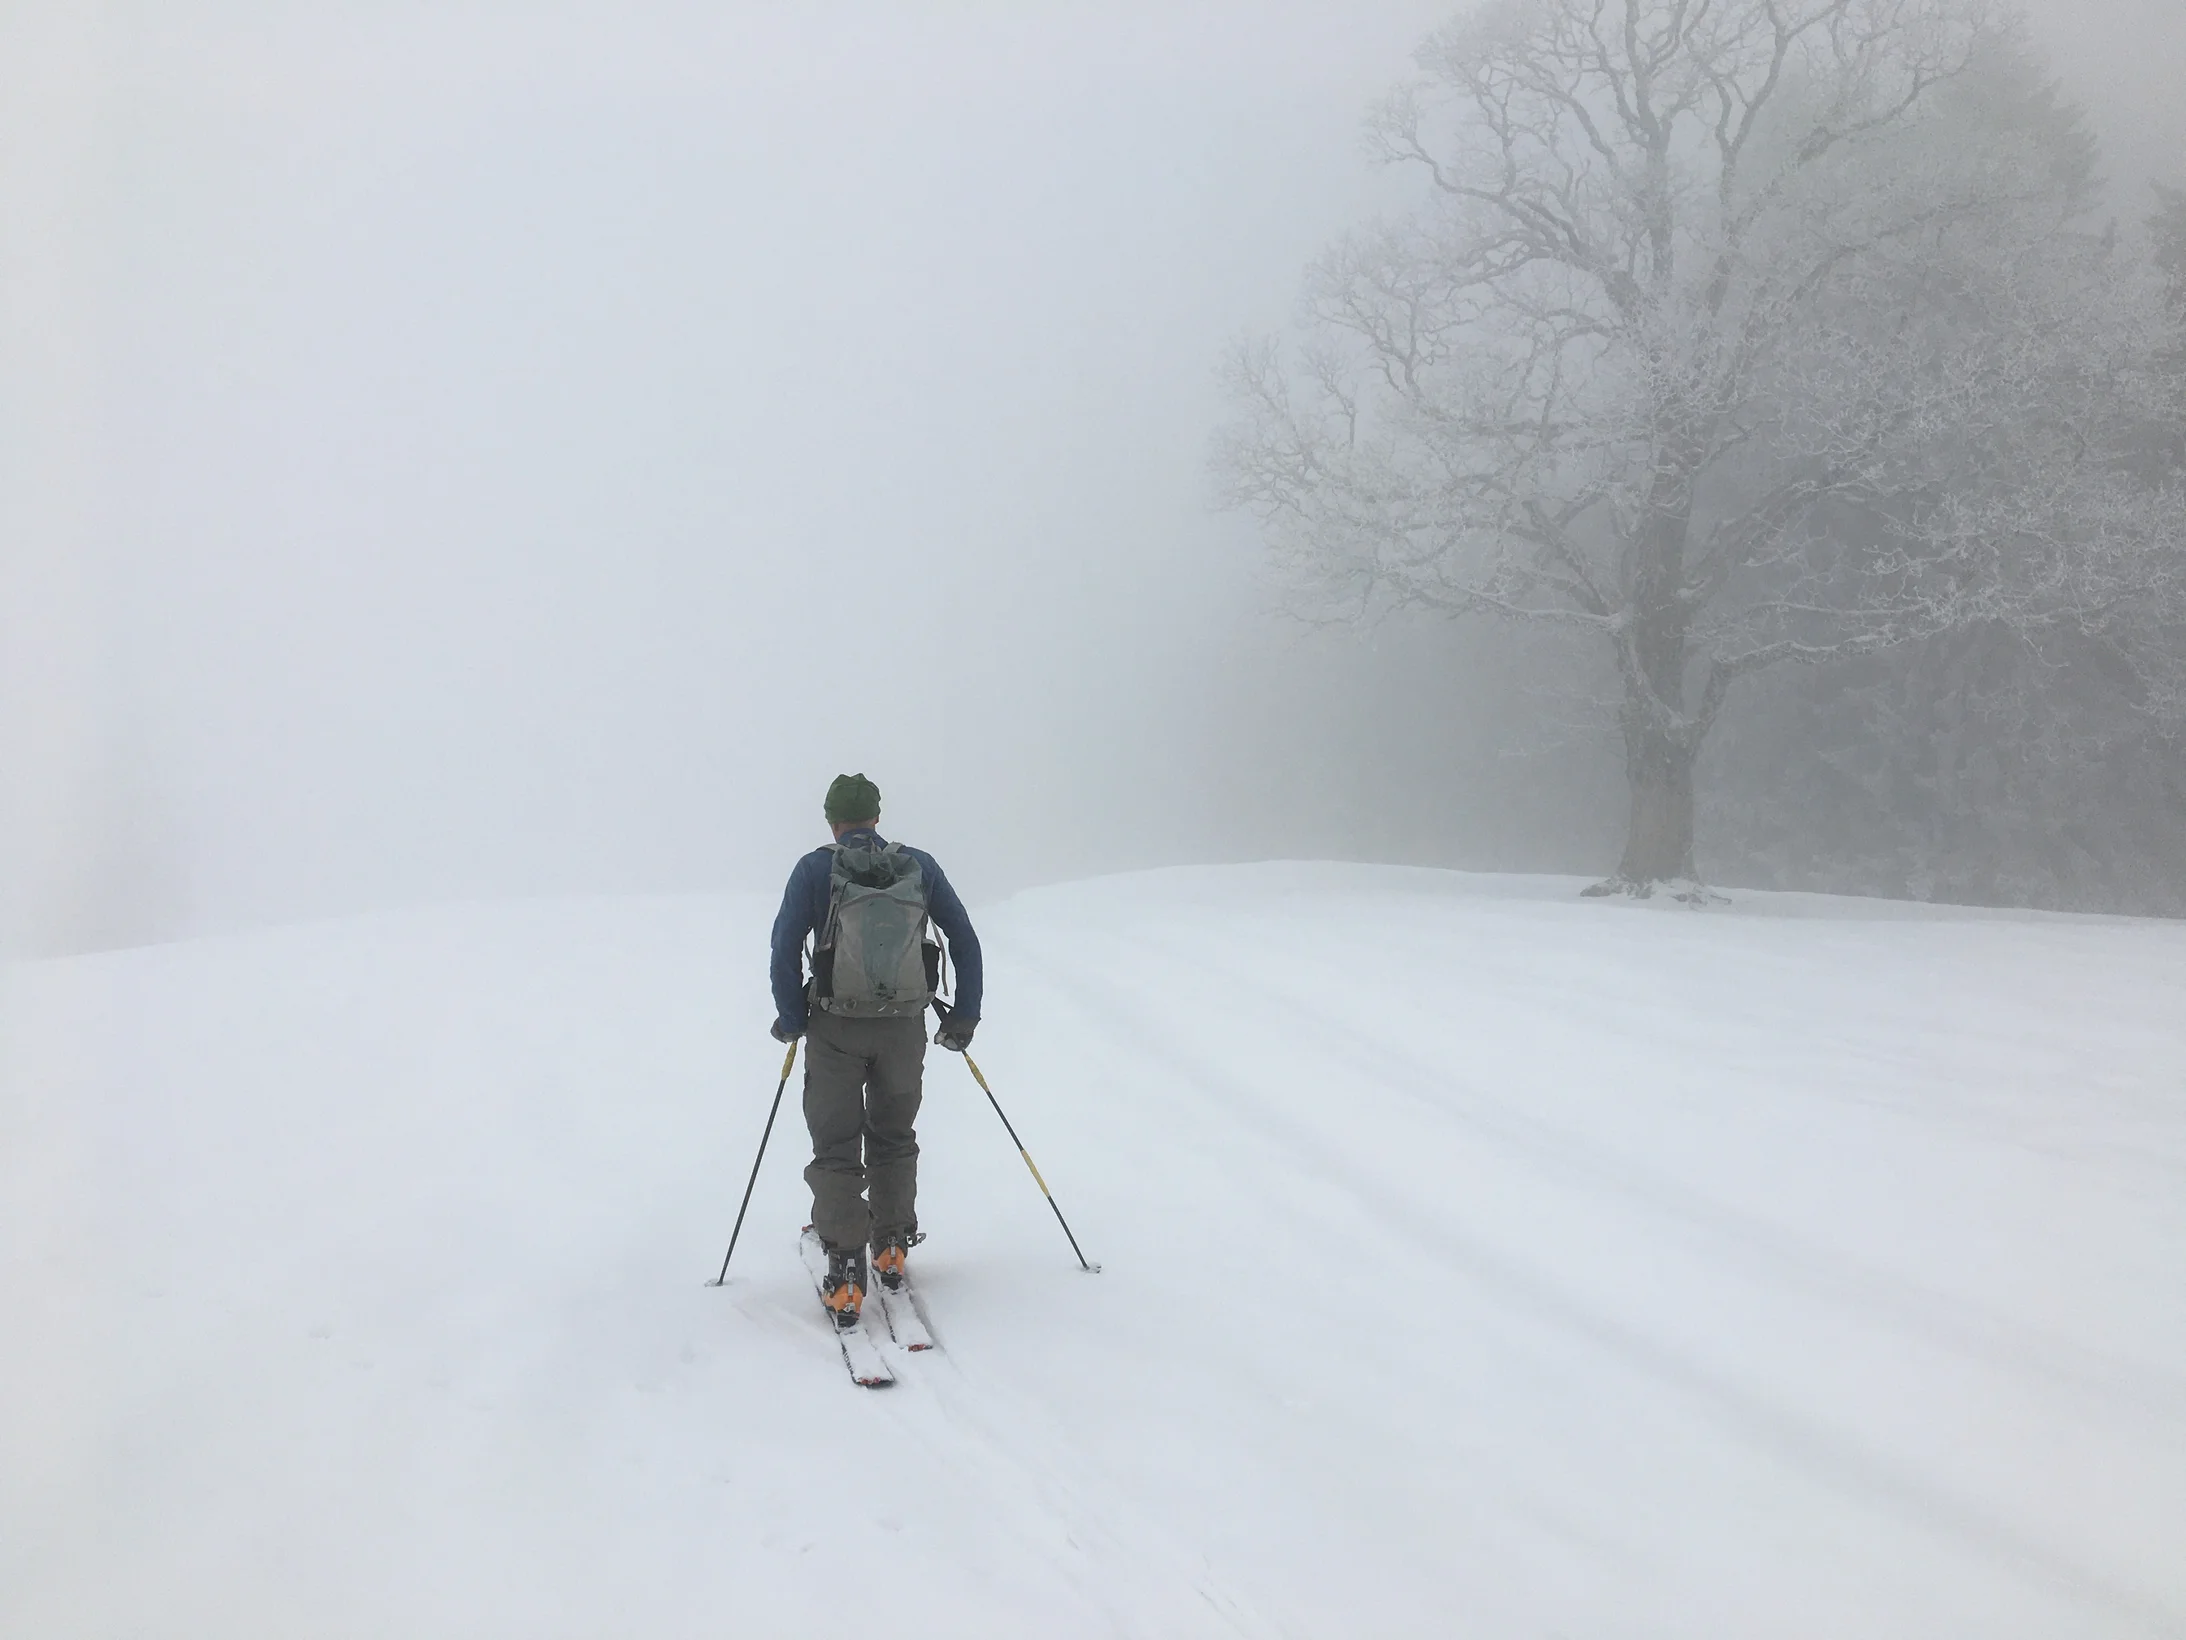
(862, 1091)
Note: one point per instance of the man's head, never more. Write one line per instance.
(852, 801)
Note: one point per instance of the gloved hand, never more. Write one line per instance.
(782, 1031)
(956, 1033)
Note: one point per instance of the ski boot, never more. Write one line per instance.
(889, 1254)
(845, 1289)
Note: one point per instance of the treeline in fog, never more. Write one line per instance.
(1779, 378)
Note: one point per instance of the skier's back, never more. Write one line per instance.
(864, 904)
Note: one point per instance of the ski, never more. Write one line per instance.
(900, 1310)
(861, 1355)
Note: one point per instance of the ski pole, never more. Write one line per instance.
(972, 1065)
(788, 1060)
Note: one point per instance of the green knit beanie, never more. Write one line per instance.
(852, 797)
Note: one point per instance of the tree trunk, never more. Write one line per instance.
(1658, 747)
(1658, 839)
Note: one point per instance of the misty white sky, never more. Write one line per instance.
(461, 450)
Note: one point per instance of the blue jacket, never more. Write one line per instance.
(804, 914)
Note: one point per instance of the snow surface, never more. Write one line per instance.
(1480, 1262)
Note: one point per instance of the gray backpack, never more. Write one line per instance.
(874, 960)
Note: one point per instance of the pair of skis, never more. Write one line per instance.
(862, 1355)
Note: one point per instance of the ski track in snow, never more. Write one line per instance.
(1015, 1437)
(1923, 1310)
(1476, 1261)
(1805, 1442)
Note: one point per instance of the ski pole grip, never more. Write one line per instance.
(789, 1059)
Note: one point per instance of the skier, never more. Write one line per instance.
(865, 904)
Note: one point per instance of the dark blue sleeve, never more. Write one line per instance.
(955, 922)
(791, 925)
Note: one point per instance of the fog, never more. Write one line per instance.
(467, 451)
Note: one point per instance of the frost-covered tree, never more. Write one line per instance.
(1995, 764)
(2155, 637)
(1731, 333)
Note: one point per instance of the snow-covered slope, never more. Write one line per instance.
(1479, 1262)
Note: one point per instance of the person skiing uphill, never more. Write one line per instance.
(864, 905)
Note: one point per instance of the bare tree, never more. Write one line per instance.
(1733, 332)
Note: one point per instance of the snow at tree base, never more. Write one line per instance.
(1479, 1261)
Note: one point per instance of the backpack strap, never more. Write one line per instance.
(824, 935)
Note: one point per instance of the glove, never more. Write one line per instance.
(956, 1033)
(783, 1031)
